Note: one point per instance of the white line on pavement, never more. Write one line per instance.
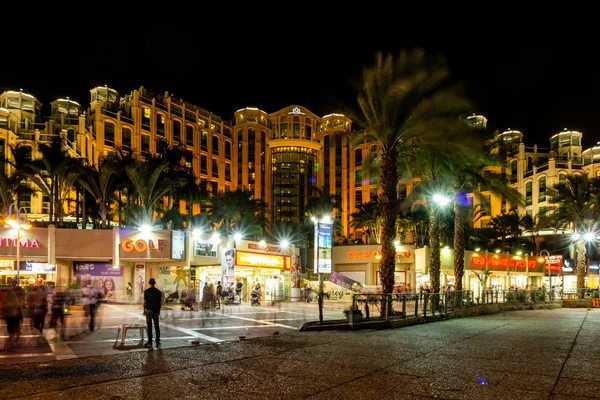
(177, 328)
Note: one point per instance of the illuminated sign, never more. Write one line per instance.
(254, 246)
(12, 242)
(375, 253)
(553, 263)
(261, 260)
(479, 261)
(143, 245)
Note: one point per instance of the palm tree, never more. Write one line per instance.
(151, 185)
(237, 211)
(55, 173)
(13, 175)
(402, 104)
(368, 215)
(102, 183)
(575, 206)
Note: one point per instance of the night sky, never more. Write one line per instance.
(521, 75)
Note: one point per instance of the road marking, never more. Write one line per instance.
(61, 349)
(189, 332)
(264, 322)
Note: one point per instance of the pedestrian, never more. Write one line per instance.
(39, 303)
(129, 292)
(13, 313)
(238, 290)
(219, 290)
(152, 302)
(59, 298)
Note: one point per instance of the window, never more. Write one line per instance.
(189, 135)
(26, 202)
(214, 186)
(358, 178)
(486, 202)
(177, 131)
(528, 193)
(215, 168)
(71, 135)
(145, 144)
(542, 188)
(228, 172)
(215, 146)
(160, 125)
(358, 197)
(513, 168)
(228, 150)
(109, 133)
(358, 158)
(562, 179)
(146, 118)
(45, 205)
(203, 164)
(204, 141)
(126, 138)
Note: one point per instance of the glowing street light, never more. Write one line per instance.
(18, 223)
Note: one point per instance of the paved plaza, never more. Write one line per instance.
(533, 354)
(178, 328)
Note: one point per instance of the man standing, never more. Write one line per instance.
(152, 303)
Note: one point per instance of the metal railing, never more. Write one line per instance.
(379, 306)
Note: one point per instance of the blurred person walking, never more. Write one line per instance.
(12, 312)
(152, 303)
(39, 308)
(59, 297)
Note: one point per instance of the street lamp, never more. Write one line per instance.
(18, 223)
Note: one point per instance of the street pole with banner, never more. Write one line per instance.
(323, 244)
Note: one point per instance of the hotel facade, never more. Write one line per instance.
(280, 157)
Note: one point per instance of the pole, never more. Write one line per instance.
(320, 298)
(18, 250)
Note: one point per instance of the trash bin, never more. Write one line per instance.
(354, 318)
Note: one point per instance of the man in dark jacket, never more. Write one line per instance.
(152, 303)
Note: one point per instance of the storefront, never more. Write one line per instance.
(34, 268)
(361, 264)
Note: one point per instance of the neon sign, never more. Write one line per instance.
(143, 245)
(12, 242)
(479, 261)
(261, 260)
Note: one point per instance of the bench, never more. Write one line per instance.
(122, 333)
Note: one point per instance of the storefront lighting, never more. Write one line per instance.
(519, 253)
(237, 236)
(216, 238)
(263, 244)
(589, 237)
(197, 233)
(477, 249)
(498, 251)
(284, 244)
(145, 229)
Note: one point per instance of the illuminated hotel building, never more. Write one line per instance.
(283, 157)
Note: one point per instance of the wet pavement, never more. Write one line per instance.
(533, 354)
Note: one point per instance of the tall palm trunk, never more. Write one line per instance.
(434, 254)
(391, 209)
(581, 265)
(460, 198)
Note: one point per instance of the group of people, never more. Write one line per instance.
(36, 303)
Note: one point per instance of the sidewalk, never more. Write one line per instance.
(534, 354)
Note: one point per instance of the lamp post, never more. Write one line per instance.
(18, 223)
